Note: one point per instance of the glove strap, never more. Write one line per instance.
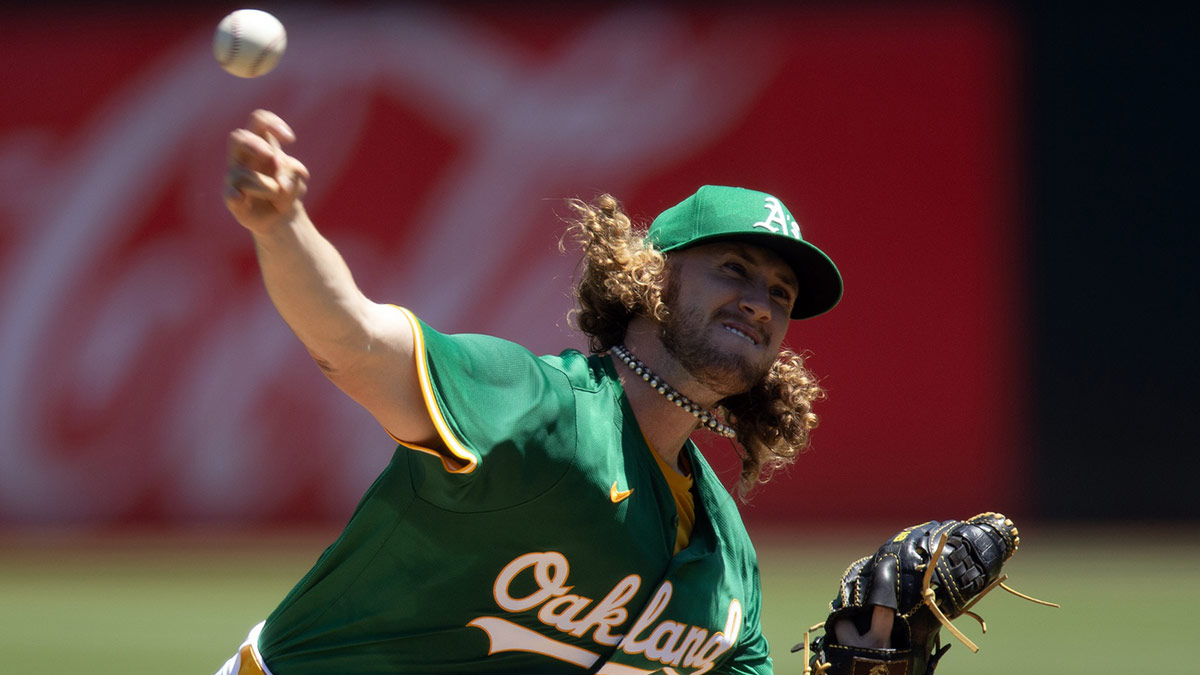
(843, 660)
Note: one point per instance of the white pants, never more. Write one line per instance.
(234, 665)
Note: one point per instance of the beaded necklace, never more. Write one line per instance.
(707, 418)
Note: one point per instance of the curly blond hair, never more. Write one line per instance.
(621, 277)
(624, 276)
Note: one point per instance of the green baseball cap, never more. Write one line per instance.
(717, 213)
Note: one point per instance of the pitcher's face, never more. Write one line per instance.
(729, 305)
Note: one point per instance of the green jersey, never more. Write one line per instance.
(543, 545)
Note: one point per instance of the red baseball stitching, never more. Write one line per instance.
(235, 34)
(262, 55)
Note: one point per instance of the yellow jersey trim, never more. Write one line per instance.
(456, 458)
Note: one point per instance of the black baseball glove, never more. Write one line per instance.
(928, 574)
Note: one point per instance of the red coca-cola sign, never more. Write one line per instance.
(145, 376)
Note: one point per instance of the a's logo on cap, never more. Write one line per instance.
(778, 221)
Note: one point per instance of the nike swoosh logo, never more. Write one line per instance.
(618, 496)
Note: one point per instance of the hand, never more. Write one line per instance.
(264, 185)
(877, 637)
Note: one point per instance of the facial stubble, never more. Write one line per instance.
(683, 335)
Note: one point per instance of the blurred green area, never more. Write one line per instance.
(1127, 595)
(181, 604)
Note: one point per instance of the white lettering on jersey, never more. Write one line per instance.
(667, 642)
(550, 570)
(777, 217)
(560, 608)
(506, 636)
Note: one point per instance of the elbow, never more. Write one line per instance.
(337, 355)
(340, 364)
(327, 366)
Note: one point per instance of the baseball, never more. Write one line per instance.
(249, 42)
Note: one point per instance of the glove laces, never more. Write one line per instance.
(930, 598)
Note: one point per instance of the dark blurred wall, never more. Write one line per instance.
(1114, 282)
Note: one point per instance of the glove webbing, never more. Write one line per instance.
(930, 598)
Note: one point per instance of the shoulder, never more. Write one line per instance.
(586, 373)
(478, 363)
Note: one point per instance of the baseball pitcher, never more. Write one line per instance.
(548, 514)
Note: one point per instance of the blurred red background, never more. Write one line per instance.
(146, 378)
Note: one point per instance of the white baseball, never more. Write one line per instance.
(249, 42)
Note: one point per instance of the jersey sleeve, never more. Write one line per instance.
(494, 404)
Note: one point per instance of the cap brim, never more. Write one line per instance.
(818, 278)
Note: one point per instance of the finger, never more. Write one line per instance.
(882, 619)
(235, 199)
(297, 168)
(845, 632)
(252, 183)
(247, 149)
(265, 122)
(289, 185)
(292, 176)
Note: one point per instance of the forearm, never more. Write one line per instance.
(314, 291)
(364, 347)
